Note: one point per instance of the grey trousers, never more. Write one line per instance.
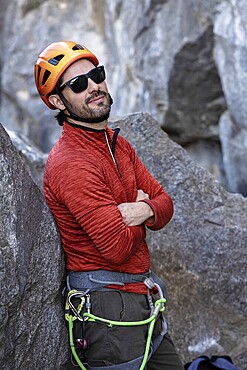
(115, 345)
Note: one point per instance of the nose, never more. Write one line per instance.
(92, 86)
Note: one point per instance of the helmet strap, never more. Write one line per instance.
(86, 120)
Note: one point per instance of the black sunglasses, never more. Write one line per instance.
(80, 83)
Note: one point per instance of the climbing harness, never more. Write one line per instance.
(100, 280)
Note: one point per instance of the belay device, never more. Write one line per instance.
(95, 280)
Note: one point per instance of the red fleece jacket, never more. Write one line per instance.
(83, 187)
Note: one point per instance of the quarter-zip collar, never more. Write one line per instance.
(101, 136)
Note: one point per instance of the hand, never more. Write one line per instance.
(141, 195)
(136, 213)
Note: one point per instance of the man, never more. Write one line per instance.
(102, 198)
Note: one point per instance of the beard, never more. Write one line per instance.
(85, 112)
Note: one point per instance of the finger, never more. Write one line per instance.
(141, 195)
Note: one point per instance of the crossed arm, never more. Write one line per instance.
(136, 213)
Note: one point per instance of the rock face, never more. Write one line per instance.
(34, 158)
(233, 139)
(194, 84)
(231, 56)
(32, 332)
(201, 255)
(181, 61)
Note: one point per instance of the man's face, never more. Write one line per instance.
(93, 102)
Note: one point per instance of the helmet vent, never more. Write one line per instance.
(54, 61)
(78, 47)
(38, 73)
(45, 77)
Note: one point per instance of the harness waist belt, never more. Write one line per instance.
(94, 280)
(100, 279)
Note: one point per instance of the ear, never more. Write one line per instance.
(56, 101)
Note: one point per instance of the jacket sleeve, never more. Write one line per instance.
(159, 200)
(89, 200)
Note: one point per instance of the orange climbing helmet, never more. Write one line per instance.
(53, 61)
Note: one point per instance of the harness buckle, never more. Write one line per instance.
(149, 282)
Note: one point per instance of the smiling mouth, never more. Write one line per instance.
(95, 100)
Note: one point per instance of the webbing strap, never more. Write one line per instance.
(157, 341)
(99, 279)
(131, 365)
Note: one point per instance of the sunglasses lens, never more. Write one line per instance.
(78, 84)
(98, 74)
